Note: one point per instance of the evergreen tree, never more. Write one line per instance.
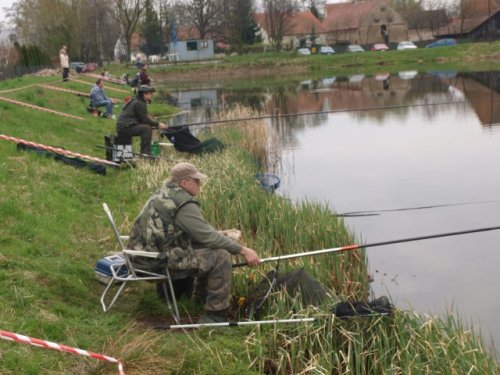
(251, 34)
(151, 30)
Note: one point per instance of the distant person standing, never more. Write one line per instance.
(63, 56)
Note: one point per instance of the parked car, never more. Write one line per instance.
(326, 50)
(356, 78)
(379, 47)
(90, 67)
(408, 74)
(406, 45)
(354, 48)
(442, 43)
(304, 51)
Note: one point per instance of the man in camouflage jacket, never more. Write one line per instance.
(171, 223)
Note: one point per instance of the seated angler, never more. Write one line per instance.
(135, 121)
(171, 222)
(98, 98)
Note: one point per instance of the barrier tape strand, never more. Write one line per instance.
(43, 109)
(93, 83)
(10, 336)
(58, 150)
(50, 87)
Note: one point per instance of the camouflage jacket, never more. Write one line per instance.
(163, 227)
(155, 230)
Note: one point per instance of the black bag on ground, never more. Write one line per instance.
(184, 141)
(379, 306)
(297, 282)
(75, 162)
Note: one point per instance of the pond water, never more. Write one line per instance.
(434, 140)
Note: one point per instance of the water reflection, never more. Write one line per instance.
(401, 91)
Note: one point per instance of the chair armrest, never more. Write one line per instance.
(139, 253)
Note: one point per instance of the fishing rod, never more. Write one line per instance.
(286, 115)
(233, 324)
(377, 212)
(259, 322)
(355, 246)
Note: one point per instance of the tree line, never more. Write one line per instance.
(91, 28)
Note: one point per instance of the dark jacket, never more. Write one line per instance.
(133, 113)
(143, 78)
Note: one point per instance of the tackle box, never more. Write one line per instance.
(103, 267)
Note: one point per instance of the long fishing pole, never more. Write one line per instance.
(355, 246)
(377, 212)
(286, 115)
(234, 324)
(252, 322)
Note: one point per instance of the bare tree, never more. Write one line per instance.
(127, 13)
(48, 24)
(202, 14)
(278, 19)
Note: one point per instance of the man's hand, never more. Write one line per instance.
(163, 126)
(251, 256)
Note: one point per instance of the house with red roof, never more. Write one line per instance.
(479, 21)
(359, 22)
(363, 22)
(300, 25)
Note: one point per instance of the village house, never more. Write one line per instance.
(480, 22)
(364, 22)
(300, 26)
(360, 22)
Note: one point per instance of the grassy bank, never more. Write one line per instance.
(464, 57)
(53, 231)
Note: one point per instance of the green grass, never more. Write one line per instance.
(53, 231)
(464, 57)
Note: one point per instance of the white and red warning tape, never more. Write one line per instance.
(104, 78)
(43, 109)
(63, 348)
(58, 150)
(56, 88)
(93, 83)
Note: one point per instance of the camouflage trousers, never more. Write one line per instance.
(213, 281)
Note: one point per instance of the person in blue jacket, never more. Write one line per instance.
(98, 98)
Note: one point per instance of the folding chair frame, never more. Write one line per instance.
(135, 274)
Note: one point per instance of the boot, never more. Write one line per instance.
(219, 316)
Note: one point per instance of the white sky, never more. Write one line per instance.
(3, 4)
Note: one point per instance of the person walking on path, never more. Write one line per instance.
(135, 121)
(98, 98)
(171, 222)
(63, 56)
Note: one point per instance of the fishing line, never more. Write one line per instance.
(287, 115)
(377, 212)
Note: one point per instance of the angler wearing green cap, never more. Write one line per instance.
(171, 223)
(135, 121)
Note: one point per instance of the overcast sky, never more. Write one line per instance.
(3, 4)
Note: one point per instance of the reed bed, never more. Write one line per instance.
(405, 343)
